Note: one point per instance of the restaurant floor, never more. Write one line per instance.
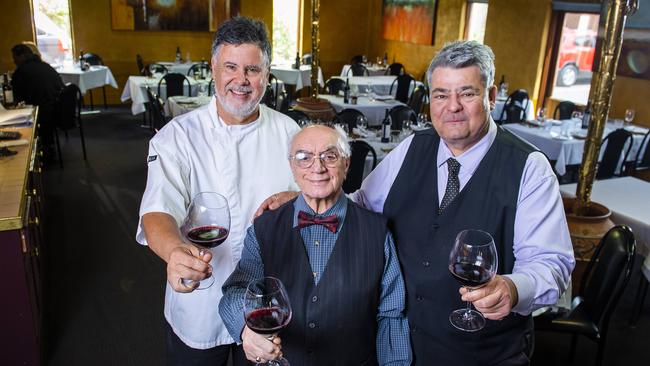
(104, 293)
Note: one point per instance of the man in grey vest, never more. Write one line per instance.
(337, 262)
(469, 173)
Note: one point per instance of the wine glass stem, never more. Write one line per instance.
(468, 310)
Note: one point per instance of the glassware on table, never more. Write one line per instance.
(629, 117)
(541, 114)
(303, 122)
(576, 116)
(267, 310)
(362, 123)
(473, 262)
(202, 90)
(406, 129)
(206, 225)
(422, 119)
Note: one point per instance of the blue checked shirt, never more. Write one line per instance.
(393, 344)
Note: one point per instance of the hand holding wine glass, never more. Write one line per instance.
(473, 263)
(206, 225)
(267, 311)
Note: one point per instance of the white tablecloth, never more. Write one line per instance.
(177, 67)
(94, 77)
(374, 111)
(373, 70)
(379, 85)
(135, 89)
(629, 200)
(300, 78)
(498, 108)
(564, 151)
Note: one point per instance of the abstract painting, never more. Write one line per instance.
(409, 20)
(167, 15)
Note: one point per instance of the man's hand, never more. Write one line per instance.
(260, 349)
(184, 263)
(495, 299)
(275, 201)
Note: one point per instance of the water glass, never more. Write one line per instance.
(629, 117)
(576, 116)
(422, 119)
(202, 90)
(362, 123)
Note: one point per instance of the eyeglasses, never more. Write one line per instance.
(305, 160)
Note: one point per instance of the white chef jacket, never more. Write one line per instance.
(198, 152)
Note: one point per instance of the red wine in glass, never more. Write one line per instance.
(206, 225)
(208, 236)
(473, 262)
(267, 310)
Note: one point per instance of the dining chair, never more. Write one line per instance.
(297, 115)
(140, 62)
(616, 143)
(601, 287)
(68, 116)
(306, 59)
(564, 110)
(334, 85)
(349, 116)
(519, 98)
(403, 85)
(418, 99)
(395, 69)
(95, 60)
(156, 111)
(156, 68)
(642, 160)
(360, 150)
(356, 59)
(198, 68)
(358, 70)
(513, 113)
(399, 114)
(211, 87)
(270, 98)
(175, 84)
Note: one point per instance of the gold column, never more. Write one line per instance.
(315, 47)
(600, 96)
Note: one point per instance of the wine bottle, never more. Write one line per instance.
(586, 116)
(7, 90)
(385, 128)
(385, 58)
(297, 64)
(178, 54)
(346, 92)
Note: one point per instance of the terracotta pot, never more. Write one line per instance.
(586, 232)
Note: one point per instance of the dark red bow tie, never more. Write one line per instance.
(330, 222)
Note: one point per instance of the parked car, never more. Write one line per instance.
(576, 56)
(53, 48)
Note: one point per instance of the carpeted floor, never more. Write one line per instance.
(104, 292)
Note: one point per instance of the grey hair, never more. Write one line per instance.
(461, 54)
(243, 30)
(342, 143)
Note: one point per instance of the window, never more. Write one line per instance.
(575, 57)
(286, 32)
(476, 19)
(53, 35)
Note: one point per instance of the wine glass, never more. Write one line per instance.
(576, 116)
(202, 90)
(206, 225)
(473, 262)
(541, 114)
(629, 117)
(267, 310)
(422, 119)
(362, 123)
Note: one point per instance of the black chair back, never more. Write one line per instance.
(616, 142)
(403, 83)
(156, 69)
(519, 98)
(306, 59)
(271, 94)
(395, 69)
(360, 150)
(140, 62)
(356, 59)
(418, 99)
(358, 70)
(175, 84)
(198, 67)
(334, 85)
(607, 274)
(211, 87)
(349, 116)
(564, 110)
(399, 114)
(156, 110)
(68, 115)
(92, 59)
(297, 115)
(513, 114)
(643, 154)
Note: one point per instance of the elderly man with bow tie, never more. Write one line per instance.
(337, 262)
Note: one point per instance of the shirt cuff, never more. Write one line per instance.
(525, 293)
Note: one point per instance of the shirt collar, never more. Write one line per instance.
(218, 122)
(470, 159)
(339, 209)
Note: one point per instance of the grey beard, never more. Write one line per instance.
(244, 111)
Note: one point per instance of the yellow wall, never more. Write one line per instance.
(16, 20)
(631, 93)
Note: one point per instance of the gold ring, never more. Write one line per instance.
(258, 359)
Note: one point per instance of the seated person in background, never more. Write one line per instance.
(37, 83)
(347, 292)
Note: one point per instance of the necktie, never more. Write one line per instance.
(453, 185)
(330, 222)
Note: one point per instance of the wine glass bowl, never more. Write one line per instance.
(473, 262)
(629, 116)
(267, 310)
(206, 226)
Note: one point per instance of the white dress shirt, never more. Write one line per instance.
(198, 152)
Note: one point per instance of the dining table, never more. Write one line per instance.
(177, 67)
(135, 90)
(298, 78)
(374, 109)
(373, 70)
(95, 77)
(564, 141)
(380, 85)
(500, 103)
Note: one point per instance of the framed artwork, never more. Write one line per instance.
(410, 21)
(168, 15)
(635, 54)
